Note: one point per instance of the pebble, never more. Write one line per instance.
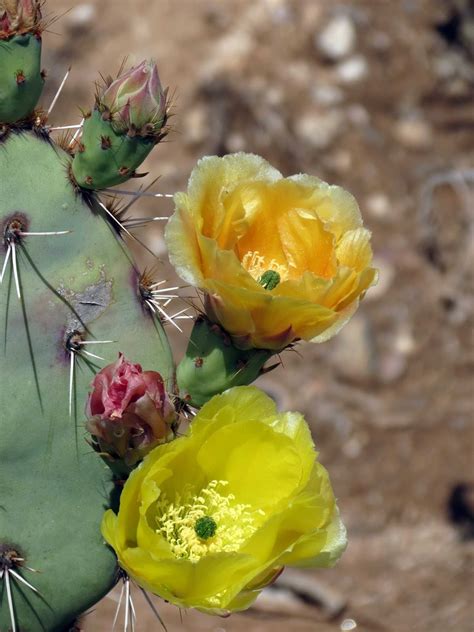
(337, 39)
(353, 69)
(157, 244)
(378, 205)
(81, 17)
(196, 125)
(358, 115)
(386, 277)
(339, 160)
(353, 448)
(394, 358)
(392, 367)
(404, 342)
(354, 354)
(320, 130)
(413, 133)
(229, 53)
(326, 94)
(298, 72)
(236, 142)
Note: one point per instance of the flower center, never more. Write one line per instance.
(205, 527)
(209, 521)
(270, 279)
(257, 266)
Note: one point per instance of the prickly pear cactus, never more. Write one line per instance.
(69, 299)
(96, 487)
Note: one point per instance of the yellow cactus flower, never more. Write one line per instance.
(210, 519)
(280, 259)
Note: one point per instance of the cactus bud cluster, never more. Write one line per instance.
(18, 17)
(128, 120)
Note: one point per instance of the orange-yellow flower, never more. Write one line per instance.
(280, 259)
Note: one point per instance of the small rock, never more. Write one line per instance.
(339, 160)
(196, 125)
(320, 130)
(298, 72)
(404, 342)
(235, 142)
(281, 602)
(378, 205)
(312, 591)
(394, 357)
(337, 39)
(81, 17)
(353, 448)
(358, 115)
(354, 354)
(274, 95)
(446, 66)
(281, 13)
(413, 133)
(326, 94)
(353, 69)
(157, 244)
(228, 55)
(393, 366)
(385, 280)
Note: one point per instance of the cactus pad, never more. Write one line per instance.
(105, 157)
(74, 287)
(21, 80)
(213, 364)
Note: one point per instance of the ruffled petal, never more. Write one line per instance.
(353, 250)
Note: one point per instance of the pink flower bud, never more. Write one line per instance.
(129, 410)
(19, 16)
(136, 99)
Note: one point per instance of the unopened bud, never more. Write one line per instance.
(136, 100)
(129, 411)
(18, 17)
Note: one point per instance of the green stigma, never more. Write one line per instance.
(205, 527)
(270, 279)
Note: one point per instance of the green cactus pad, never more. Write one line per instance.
(21, 82)
(212, 364)
(53, 487)
(106, 158)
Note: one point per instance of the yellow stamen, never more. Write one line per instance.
(176, 521)
(256, 265)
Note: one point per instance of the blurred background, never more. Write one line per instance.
(377, 96)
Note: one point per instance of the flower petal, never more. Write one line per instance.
(353, 249)
(245, 402)
(334, 205)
